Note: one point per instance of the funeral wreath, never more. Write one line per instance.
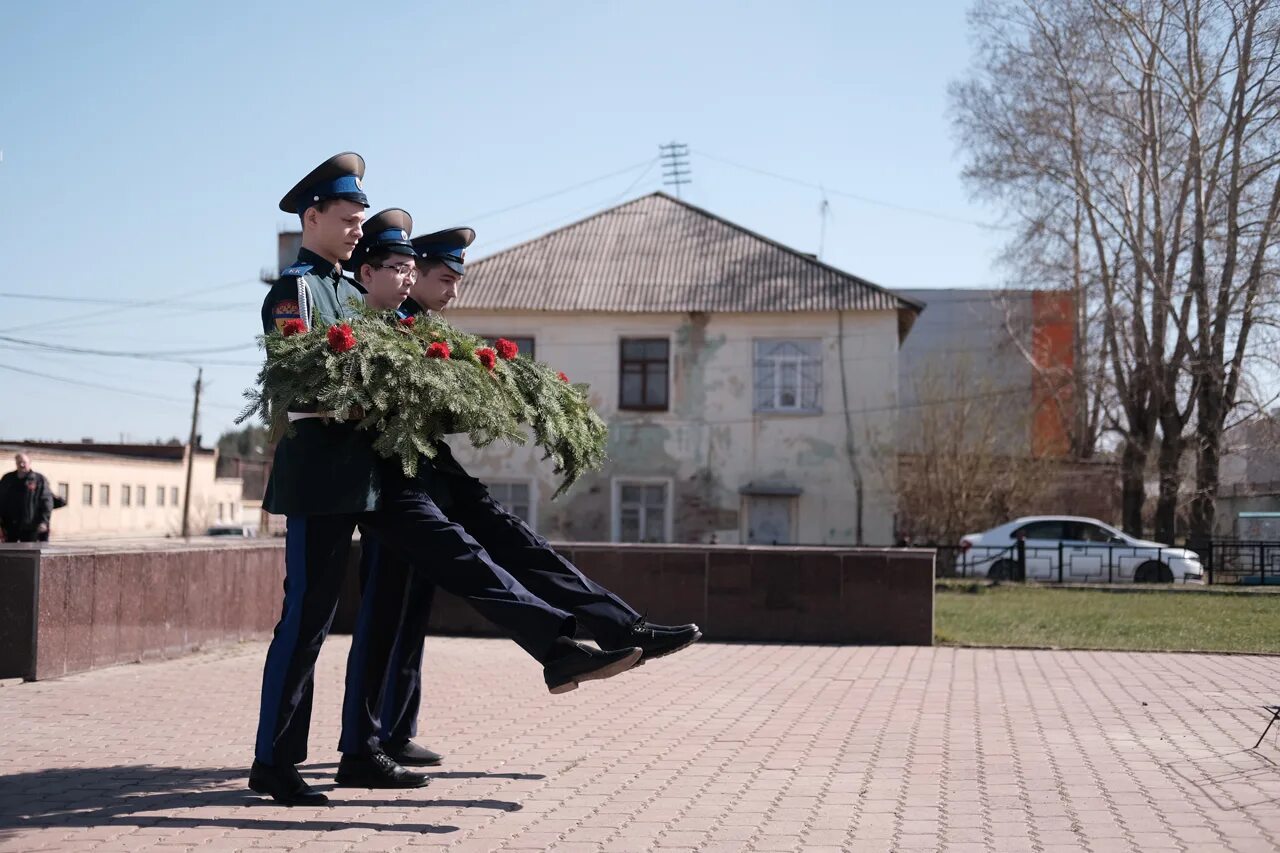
(416, 379)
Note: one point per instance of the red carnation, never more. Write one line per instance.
(438, 350)
(506, 349)
(487, 357)
(563, 378)
(407, 321)
(340, 338)
(293, 327)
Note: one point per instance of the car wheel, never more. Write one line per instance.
(1153, 571)
(1002, 570)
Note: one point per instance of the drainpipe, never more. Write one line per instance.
(850, 448)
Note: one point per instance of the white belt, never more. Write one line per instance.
(302, 416)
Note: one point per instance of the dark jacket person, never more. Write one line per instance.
(26, 502)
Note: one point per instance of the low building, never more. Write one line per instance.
(130, 490)
(750, 389)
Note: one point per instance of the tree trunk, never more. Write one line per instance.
(1133, 489)
(1169, 462)
(1209, 429)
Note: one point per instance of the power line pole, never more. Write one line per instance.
(824, 210)
(675, 165)
(191, 458)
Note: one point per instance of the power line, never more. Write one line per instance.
(97, 386)
(168, 300)
(132, 303)
(933, 214)
(560, 192)
(158, 355)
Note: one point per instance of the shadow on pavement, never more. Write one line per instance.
(140, 795)
(316, 770)
(1235, 780)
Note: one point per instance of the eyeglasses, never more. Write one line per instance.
(409, 271)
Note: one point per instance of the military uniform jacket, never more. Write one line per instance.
(327, 466)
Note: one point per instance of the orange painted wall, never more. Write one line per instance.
(1052, 392)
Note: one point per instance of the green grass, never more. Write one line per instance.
(976, 614)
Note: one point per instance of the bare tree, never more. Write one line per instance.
(964, 465)
(1139, 139)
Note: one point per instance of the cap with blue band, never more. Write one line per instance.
(339, 177)
(386, 231)
(448, 246)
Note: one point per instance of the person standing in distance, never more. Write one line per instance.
(26, 503)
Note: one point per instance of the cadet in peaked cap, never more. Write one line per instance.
(340, 176)
(448, 246)
(393, 687)
(441, 259)
(326, 477)
(383, 262)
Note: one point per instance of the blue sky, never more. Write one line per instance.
(145, 145)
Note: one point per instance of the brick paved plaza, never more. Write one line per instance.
(722, 747)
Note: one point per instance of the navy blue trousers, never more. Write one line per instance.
(411, 526)
(386, 654)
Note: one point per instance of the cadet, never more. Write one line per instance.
(325, 478)
(395, 703)
(391, 594)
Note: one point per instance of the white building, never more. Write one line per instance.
(748, 387)
(131, 490)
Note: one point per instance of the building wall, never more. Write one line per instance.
(973, 345)
(710, 444)
(213, 499)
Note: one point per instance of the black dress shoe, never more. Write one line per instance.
(376, 770)
(573, 663)
(410, 754)
(284, 784)
(658, 640)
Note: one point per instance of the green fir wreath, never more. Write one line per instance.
(414, 380)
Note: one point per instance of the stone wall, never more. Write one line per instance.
(65, 610)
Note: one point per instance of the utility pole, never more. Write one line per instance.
(675, 165)
(824, 210)
(191, 458)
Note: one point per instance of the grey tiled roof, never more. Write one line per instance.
(661, 254)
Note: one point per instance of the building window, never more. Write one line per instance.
(514, 495)
(526, 344)
(643, 373)
(173, 496)
(104, 495)
(159, 495)
(142, 495)
(642, 512)
(220, 512)
(86, 497)
(788, 376)
(124, 496)
(64, 491)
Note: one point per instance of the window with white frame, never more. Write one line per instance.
(788, 376)
(124, 496)
(642, 512)
(159, 495)
(516, 496)
(142, 495)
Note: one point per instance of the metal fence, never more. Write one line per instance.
(1238, 561)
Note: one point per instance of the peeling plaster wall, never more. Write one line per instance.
(710, 443)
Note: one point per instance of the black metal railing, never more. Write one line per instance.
(1066, 562)
(1239, 561)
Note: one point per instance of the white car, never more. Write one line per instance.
(1074, 549)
